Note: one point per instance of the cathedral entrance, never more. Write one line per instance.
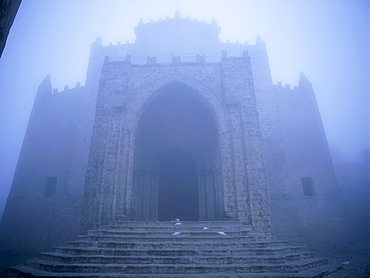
(178, 188)
(176, 158)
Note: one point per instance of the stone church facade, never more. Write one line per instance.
(177, 124)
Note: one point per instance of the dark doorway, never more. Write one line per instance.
(178, 188)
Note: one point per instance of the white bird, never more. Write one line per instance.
(176, 233)
(205, 228)
(221, 233)
(177, 220)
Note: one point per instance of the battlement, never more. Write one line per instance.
(175, 59)
(45, 88)
(227, 42)
(286, 86)
(162, 36)
(304, 86)
(66, 88)
(119, 43)
(176, 17)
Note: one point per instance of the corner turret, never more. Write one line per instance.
(44, 87)
(96, 47)
(304, 84)
(177, 14)
(177, 36)
(260, 43)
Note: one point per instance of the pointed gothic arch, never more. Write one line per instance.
(176, 126)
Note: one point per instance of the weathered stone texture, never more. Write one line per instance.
(131, 89)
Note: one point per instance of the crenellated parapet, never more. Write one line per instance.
(175, 59)
(304, 86)
(45, 88)
(176, 17)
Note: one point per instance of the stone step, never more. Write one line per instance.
(176, 243)
(320, 271)
(165, 229)
(149, 249)
(270, 251)
(167, 238)
(166, 232)
(220, 259)
(290, 267)
(156, 224)
(191, 226)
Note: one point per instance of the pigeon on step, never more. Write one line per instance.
(221, 233)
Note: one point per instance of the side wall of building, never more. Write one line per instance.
(45, 202)
(306, 206)
(38, 212)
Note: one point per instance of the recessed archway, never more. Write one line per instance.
(176, 153)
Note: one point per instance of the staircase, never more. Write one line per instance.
(170, 249)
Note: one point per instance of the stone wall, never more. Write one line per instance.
(224, 89)
(307, 205)
(39, 212)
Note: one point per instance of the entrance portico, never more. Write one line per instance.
(167, 146)
(176, 144)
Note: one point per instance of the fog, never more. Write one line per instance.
(327, 40)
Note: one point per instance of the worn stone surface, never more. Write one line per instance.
(166, 249)
(215, 128)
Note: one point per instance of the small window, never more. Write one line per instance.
(307, 185)
(50, 186)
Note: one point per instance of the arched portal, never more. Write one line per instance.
(176, 153)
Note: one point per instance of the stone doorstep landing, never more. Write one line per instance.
(163, 249)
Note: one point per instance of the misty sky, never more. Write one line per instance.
(328, 40)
